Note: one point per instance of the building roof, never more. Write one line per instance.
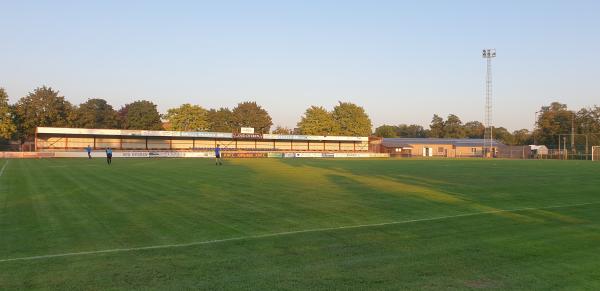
(459, 142)
(538, 147)
(389, 144)
(190, 134)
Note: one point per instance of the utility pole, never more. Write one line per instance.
(586, 147)
(535, 126)
(559, 152)
(573, 149)
(565, 147)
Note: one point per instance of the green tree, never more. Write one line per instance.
(453, 127)
(588, 120)
(553, 120)
(282, 130)
(436, 128)
(352, 120)
(386, 131)
(42, 107)
(503, 135)
(188, 117)
(220, 120)
(95, 113)
(474, 129)
(250, 114)
(317, 121)
(412, 130)
(7, 125)
(522, 137)
(140, 115)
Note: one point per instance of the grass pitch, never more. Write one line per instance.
(299, 224)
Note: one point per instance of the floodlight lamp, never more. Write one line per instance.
(488, 53)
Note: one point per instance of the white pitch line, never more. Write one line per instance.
(118, 250)
(3, 167)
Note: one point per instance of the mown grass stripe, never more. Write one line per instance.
(3, 167)
(118, 250)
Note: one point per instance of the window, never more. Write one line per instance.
(440, 149)
(473, 150)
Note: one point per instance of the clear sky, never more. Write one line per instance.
(402, 60)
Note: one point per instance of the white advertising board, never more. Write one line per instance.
(360, 155)
(100, 154)
(176, 154)
(309, 155)
(350, 155)
(132, 154)
(78, 154)
(136, 154)
(157, 154)
(199, 154)
(247, 130)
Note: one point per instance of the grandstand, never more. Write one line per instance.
(76, 139)
(70, 142)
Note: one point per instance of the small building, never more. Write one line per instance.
(438, 147)
(539, 150)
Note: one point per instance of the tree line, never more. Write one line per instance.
(453, 127)
(45, 107)
(557, 119)
(552, 121)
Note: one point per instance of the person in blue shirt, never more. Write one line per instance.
(218, 155)
(89, 151)
(109, 155)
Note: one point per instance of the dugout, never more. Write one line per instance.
(77, 139)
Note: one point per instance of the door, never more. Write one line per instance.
(427, 152)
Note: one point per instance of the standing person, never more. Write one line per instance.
(109, 155)
(218, 155)
(89, 151)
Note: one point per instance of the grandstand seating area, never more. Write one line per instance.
(76, 139)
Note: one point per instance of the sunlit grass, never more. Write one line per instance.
(73, 205)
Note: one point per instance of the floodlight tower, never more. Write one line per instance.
(488, 136)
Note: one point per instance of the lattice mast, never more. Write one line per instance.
(488, 137)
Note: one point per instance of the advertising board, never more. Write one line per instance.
(244, 155)
(134, 154)
(309, 155)
(166, 154)
(26, 155)
(247, 130)
(360, 155)
(247, 136)
(199, 154)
